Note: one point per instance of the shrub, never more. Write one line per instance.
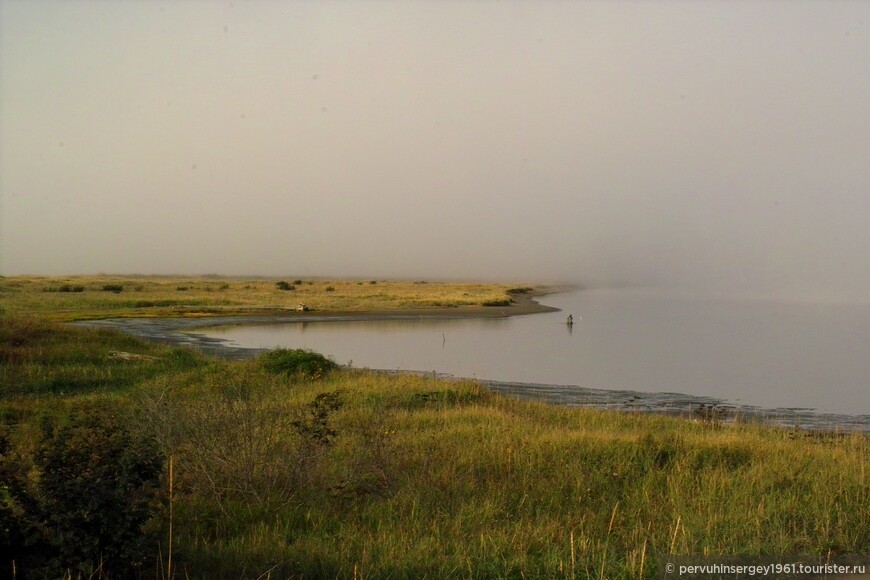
(330, 288)
(313, 423)
(116, 288)
(98, 485)
(297, 282)
(523, 290)
(497, 302)
(282, 285)
(242, 444)
(316, 435)
(154, 303)
(233, 442)
(297, 361)
(64, 288)
(182, 288)
(16, 537)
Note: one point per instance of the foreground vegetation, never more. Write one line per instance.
(122, 459)
(89, 297)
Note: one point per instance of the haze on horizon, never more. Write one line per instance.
(707, 146)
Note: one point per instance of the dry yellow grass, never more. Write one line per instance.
(59, 298)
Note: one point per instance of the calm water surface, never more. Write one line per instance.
(747, 353)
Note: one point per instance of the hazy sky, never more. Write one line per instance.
(695, 144)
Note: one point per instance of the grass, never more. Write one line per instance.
(418, 477)
(296, 361)
(92, 297)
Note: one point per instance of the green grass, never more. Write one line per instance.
(408, 476)
(296, 361)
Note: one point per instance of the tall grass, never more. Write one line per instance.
(475, 484)
(419, 477)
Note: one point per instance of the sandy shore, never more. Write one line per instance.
(182, 331)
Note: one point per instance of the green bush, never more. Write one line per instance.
(297, 361)
(83, 515)
(116, 288)
(282, 285)
(17, 542)
(498, 302)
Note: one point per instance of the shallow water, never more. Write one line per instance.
(626, 348)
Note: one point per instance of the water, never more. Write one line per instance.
(742, 353)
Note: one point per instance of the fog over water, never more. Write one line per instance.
(706, 146)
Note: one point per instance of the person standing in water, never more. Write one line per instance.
(570, 320)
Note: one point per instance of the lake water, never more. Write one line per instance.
(742, 353)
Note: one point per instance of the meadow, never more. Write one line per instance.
(88, 297)
(120, 458)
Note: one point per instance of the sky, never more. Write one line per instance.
(708, 146)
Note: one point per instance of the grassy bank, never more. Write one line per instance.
(284, 471)
(89, 297)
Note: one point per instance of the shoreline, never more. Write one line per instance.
(184, 331)
(180, 331)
